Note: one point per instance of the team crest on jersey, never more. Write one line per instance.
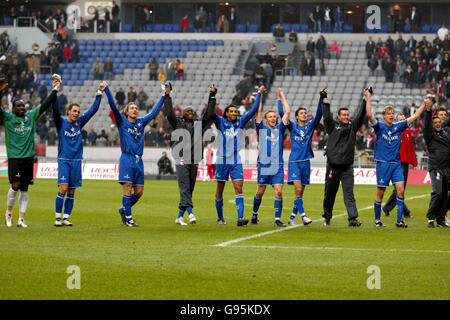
(140, 124)
(27, 117)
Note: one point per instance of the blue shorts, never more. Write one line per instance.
(275, 174)
(224, 171)
(131, 170)
(389, 171)
(69, 172)
(299, 171)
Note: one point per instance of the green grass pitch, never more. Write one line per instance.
(161, 260)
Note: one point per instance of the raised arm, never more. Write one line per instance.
(327, 118)
(152, 114)
(94, 108)
(427, 102)
(3, 86)
(56, 114)
(428, 125)
(367, 96)
(322, 100)
(246, 117)
(280, 107)
(258, 116)
(112, 105)
(210, 109)
(52, 96)
(286, 108)
(168, 106)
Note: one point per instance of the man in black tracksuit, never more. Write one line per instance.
(437, 140)
(340, 153)
(188, 136)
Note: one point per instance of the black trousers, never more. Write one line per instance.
(439, 202)
(334, 176)
(186, 175)
(392, 201)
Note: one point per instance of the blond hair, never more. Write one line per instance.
(387, 109)
(268, 111)
(125, 110)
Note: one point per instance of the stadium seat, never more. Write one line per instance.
(435, 28)
(241, 27)
(407, 28)
(149, 28)
(425, 28)
(127, 27)
(157, 27)
(348, 28)
(253, 28)
(167, 27)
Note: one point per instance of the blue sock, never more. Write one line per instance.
(59, 202)
(240, 205)
(301, 210)
(68, 205)
(377, 209)
(181, 213)
(256, 204)
(278, 204)
(190, 211)
(400, 208)
(134, 199)
(219, 208)
(126, 202)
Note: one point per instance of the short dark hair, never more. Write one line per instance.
(298, 110)
(341, 109)
(441, 109)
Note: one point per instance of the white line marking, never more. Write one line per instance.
(226, 243)
(350, 249)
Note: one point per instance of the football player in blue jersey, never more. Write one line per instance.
(270, 157)
(70, 153)
(131, 167)
(387, 155)
(229, 163)
(299, 169)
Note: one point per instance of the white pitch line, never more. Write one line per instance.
(258, 235)
(350, 249)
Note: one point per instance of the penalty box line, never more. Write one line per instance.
(262, 234)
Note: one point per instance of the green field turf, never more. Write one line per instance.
(161, 260)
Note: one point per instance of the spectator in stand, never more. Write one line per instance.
(177, 110)
(222, 26)
(61, 33)
(154, 67)
(383, 51)
(389, 70)
(67, 53)
(321, 46)
(370, 47)
(400, 68)
(43, 92)
(113, 135)
(131, 95)
(311, 23)
(322, 67)
(318, 17)
(414, 19)
(107, 19)
(311, 65)
(197, 24)
(51, 136)
(210, 162)
(231, 18)
(278, 33)
(179, 70)
(419, 78)
(120, 98)
(310, 45)
(92, 137)
(399, 24)
(164, 165)
(390, 19)
(212, 21)
(62, 102)
(115, 17)
(290, 66)
(327, 19)
(409, 76)
(304, 65)
(293, 36)
(97, 68)
(170, 69)
(334, 50)
(162, 75)
(140, 19)
(185, 23)
(50, 23)
(102, 139)
(203, 17)
(75, 51)
(142, 98)
(338, 17)
(108, 68)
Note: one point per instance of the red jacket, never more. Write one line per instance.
(407, 153)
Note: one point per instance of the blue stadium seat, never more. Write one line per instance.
(435, 28)
(159, 43)
(219, 42)
(127, 27)
(132, 42)
(191, 27)
(253, 28)
(348, 28)
(287, 27)
(304, 27)
(176, 28)
(167, 27)
(384, 28)
(296, 27)
(241, 27)
(210, 43)
(424, 28)
(273, 27)
(407, 28)
(157, 27)
(202, 43)
(161, 60)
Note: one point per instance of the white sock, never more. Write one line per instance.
(66, 216)
(11, 200)
(23, 201)
(58, 216)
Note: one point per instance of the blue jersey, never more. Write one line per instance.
(70, 142)
(232, 135)
(132, 134)
(270, 143)
(389, 139)
(301, 136)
